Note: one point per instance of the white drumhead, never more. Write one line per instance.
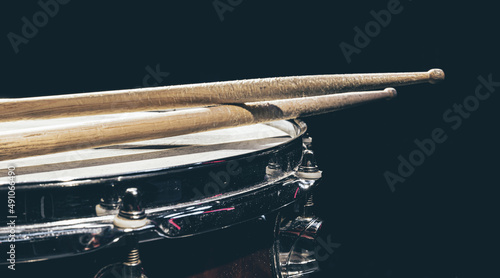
(143, 156)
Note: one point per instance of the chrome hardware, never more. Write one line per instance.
(308, 206)
(294, 249)
(307, 142)
(131, 268)
(133, 258)
(308, 171)
(273, 168)
(132, 214)
(131, 208)
(109, 202)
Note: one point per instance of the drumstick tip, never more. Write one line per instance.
(436, 75)
(392, 93)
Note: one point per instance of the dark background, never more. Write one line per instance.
(441, 222)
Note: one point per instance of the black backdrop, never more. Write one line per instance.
(442, 221)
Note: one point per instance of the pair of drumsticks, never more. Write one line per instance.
(221, 105)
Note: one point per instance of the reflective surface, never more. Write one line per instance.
(295, 247)
(173, 207)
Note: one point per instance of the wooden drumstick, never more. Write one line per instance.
(53, 139)
(205, 94)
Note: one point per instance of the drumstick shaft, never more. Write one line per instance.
(205, 94)
(46, 140)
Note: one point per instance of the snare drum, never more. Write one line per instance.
(226, 203)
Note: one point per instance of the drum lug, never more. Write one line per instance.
(297, 232)
(295, 246)
(131, 217)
